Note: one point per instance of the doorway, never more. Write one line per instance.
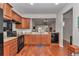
(67, 27)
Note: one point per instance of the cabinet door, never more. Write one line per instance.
(18, 18)
(13, 47)
(6, 50)
(27, 39)
(19, 26)
(42, 40)
(28, 23)
(7, 11)
(36, 39)
(1, 5)
(25, 23)
(10, 48)
(15, 16)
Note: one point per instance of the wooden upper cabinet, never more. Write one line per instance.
(7, 11)
(1, 5)
(25, 23)
(16, 17)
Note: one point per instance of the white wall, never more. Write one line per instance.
(59, 21)
(75, 26)
(67, 28)
(59, 28)
(13, 27)
(40, 15)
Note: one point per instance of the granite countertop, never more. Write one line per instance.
(37, 33)
(9, 38)
(32, 33)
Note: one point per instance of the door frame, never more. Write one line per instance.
(71, 9)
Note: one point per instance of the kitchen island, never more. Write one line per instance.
(35, 38)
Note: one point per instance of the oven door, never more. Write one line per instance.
(20, 42)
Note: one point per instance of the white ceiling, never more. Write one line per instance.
(37, 8)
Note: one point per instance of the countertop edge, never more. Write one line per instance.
(8, 39)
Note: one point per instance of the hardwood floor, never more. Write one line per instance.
(43, 50)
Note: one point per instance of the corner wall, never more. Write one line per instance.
(75, 24)
(59, 23)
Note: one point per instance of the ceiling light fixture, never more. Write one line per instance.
(56, 3)
(31, 3)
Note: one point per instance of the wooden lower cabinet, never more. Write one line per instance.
(37, 39)
(6, 50)
(10, 48)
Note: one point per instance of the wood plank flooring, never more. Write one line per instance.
(43, 50)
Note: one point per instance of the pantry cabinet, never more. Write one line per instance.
(10, 47)
(7, 11)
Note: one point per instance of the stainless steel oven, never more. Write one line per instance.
(20, 42)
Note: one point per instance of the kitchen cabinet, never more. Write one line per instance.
(25, 23)
(1, 5)
(37, 39)
(13, 47)
(16, 17)
(7, 8)
(10, 47)
(27, 39)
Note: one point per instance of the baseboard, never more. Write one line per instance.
(66, 41)
(61, 45)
